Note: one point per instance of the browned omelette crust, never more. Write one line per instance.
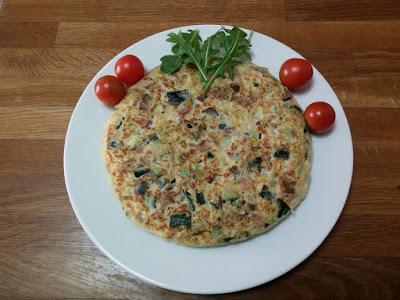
(210, 168)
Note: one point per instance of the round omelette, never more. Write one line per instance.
(213, 168)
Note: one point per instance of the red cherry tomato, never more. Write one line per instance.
(295, 73)
(109, 90)
(319, 116)
(129, 69)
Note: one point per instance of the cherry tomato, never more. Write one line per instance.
(109, 90)
(295, 73)
(319, 116)
(129, 69)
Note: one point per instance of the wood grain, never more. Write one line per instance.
(30, 91)
(49, 51)
(346, 36)
(27, 74)
(54, 10)
(214, 11)
(377, 63)
(27, 34)
(351, 278)
(53, 62)
(34, 123)
(342, 10)
(367, 91)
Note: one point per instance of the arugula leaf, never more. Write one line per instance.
(236, 45)
(171, 63)
(213, 58)
(208, 52)
(189, 43)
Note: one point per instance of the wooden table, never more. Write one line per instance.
(49, 50)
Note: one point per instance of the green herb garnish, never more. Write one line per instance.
(213, 58)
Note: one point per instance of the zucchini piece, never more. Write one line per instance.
(189, 199)
(141, 188)
(152, 138)
(221, 126)
(265, 193)
(161, 181)
(112, 145)
(287, 98)
(255, 164)
(228, 239)
(141, 171)
(214, 205)
(177, 97)
(296, 108)
(200, 198)
(150, 201)
(229, 195)
(180, 220)
(118, 125)
(282, 153)
(283, 208)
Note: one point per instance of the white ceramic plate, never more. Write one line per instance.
(210, 270)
